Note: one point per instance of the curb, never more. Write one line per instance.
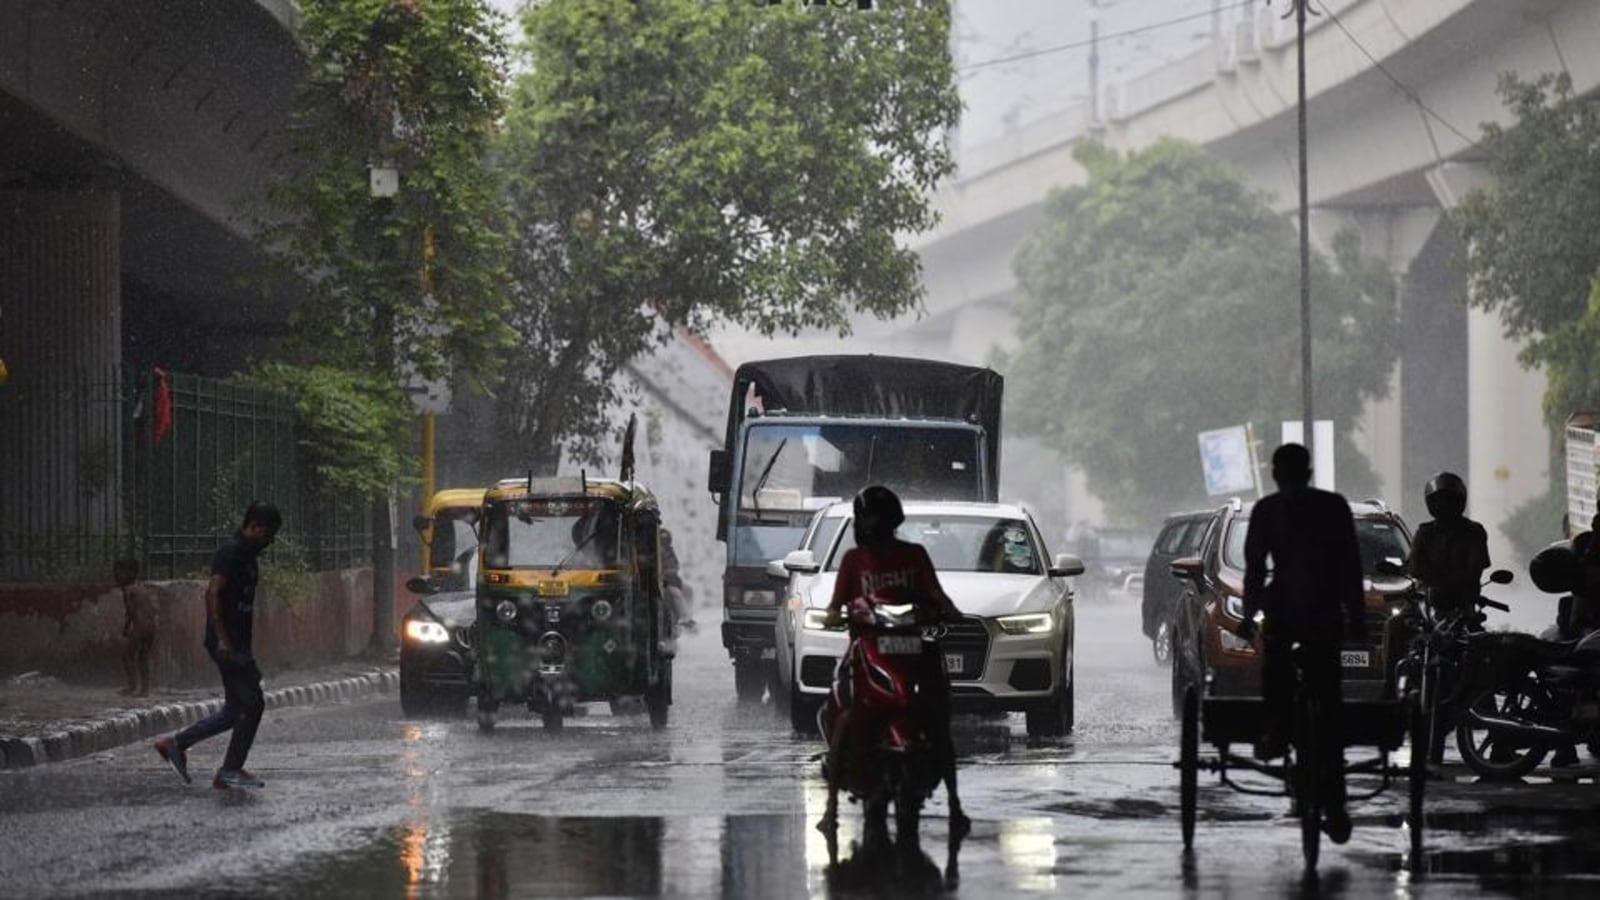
(132, 726)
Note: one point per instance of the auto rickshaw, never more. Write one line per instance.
(571, 606)
(446, 526)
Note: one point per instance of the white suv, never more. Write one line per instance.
(1011, 651)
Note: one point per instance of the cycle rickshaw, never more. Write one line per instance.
(1378, 726)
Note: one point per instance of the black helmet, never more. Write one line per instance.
(1446, 496)
(877, 514)
(1555, 569)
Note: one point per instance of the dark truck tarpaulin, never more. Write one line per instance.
(888, 386)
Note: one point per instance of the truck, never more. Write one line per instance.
(807, 431)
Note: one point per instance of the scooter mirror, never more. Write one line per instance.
(1500, 576)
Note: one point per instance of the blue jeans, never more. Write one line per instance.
(242, 706)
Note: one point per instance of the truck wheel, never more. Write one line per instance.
(749, 680)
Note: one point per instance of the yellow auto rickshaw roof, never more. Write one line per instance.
(454, 498)
(628, 492)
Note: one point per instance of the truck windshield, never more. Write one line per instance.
(540, 534)
(789, 467)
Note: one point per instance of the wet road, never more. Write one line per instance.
(361, 802)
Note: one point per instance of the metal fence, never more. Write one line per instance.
(157, 467)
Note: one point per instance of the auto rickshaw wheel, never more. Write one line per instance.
(658, 699)
(487, 708)
(552, 718)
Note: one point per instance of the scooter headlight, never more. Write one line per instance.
(506, 611)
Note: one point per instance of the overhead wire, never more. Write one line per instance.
(1404, 88)
(1074, 45)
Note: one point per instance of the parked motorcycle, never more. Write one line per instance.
(1526, 695)
(891, 758)
(1435, 643)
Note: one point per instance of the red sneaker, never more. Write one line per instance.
(235, 778)
(175, 757)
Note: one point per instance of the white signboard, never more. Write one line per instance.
(1583, 464)
(1322, 466)
(1225, 459)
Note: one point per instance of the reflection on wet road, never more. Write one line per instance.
(361, 802)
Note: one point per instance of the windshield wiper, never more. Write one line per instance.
(755, 495)
(556, 569)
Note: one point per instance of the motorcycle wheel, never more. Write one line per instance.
(1499, 757)
(1416, 776)
(658, 699)
(907, 812)
(1189, 766)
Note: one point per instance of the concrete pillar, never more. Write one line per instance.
(1510, 460)
(61, 413)
(1397, 236)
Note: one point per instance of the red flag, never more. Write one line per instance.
(161, 419)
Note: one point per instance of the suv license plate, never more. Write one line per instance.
(953, 663)
(899, 645)
(1353, 659)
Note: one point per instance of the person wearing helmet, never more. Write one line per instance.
(1450, 552)
(885, 569)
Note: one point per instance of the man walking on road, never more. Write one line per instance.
(230, 616)
(1312, 604)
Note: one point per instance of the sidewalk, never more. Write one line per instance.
(45, 720)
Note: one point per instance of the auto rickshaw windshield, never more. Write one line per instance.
(544, 534)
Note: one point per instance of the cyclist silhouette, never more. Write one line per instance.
(1313, 602)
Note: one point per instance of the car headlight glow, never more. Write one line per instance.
(817, 620)
(1027, 623)
(506, 611)
(425, 632)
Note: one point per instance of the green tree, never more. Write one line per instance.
(392, 288)
(1532, 248)
(1532, 256)
(1160, 299)
(677, 163)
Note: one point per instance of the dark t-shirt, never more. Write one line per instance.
(235, 561)
(1448, 556)
(1316, 588)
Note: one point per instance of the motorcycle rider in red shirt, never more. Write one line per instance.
(882, 568)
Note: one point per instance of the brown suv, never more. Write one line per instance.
(1206, 652)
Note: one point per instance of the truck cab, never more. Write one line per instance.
(807, 432)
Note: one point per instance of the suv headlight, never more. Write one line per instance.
(1027, 623)
(424, 632)
(817, 620)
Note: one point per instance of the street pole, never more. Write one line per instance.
(1307, 416)
(1094, 63)
(427, 471)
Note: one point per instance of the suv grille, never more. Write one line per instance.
(970, 638)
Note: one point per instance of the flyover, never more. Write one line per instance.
(1398, 90)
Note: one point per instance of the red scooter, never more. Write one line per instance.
(890, 757)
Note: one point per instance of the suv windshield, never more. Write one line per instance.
(1379, 539)
(965, 544)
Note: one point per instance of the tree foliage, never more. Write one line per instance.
(678, 163)
(347, 425)
(1533, 248)
(1161, 299)
(410, 286)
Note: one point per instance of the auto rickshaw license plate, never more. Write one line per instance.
(553, 588)
(899, 645)
(1353, 659)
